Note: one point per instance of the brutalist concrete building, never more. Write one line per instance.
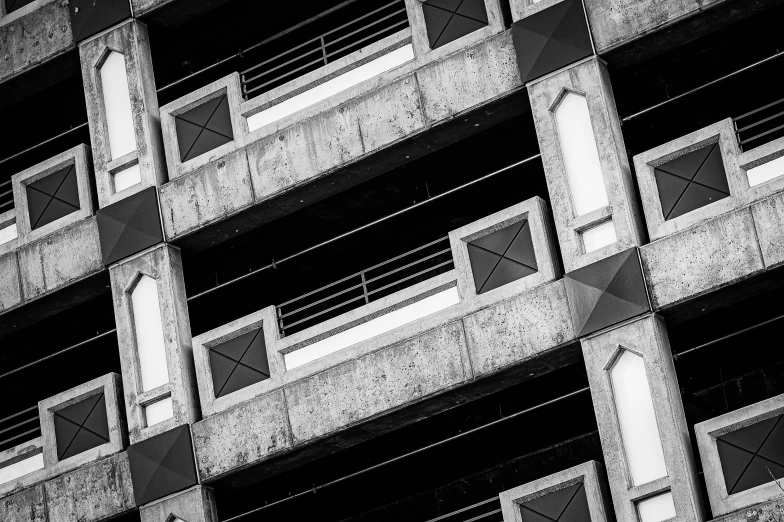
(391, 260)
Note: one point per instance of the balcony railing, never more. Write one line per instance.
(364, 287)
(6, 196)
(20, 427)
(317, 52)
(760, 126)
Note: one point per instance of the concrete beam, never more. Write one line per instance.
(26, 506)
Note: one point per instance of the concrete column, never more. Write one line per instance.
(120, 168)
(577, 157)
(196, 504)
(642, 426)
(155, 341)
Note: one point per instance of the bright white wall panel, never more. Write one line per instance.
(117, 102)
(149, 334)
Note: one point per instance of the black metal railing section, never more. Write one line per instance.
(20, 427)
(760, 126)
(371, 284)
(6, 197)
(366, 28)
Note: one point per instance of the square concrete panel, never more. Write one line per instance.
(741, 454)
(551, 39)
(448, 20)
(81, 426)
(204, 128)
(606, 292)
(52, 197)
(129, 226)
(89, 17)
(162, 465)
(502, 256)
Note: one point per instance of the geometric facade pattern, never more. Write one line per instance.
(52, 197)
(129, 226)
(691, 181)
(551, 39)
(13, 5)
(448, 20)
(503, 256)
(564, 505)
(89, 17)
(750, 455)
(81, 426)
(204, 128)
(606, 292)
(162, 465)
(239, 362)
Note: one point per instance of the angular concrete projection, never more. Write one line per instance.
(122, 111)
(643, 429)
(196, 504)
(150, 336)
(575, 117)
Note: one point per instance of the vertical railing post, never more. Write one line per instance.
(280, 320)
(364, 288)
(323, 49)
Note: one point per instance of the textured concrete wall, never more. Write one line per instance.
(26, 506)
(772, 511)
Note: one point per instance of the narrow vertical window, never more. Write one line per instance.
(639, 431)
(580, 154)
(149, 334)
(117, 102)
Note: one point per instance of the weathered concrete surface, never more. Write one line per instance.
(703, 258)
(10, 283)
(60, 259)
(26, 506)
(772, 511)
(34, 38)
(769, 222)
(196, 504)
(91, 493)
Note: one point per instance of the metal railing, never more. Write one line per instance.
(6, 196)
(760, 126)
(325, 48)
(19, 427)
(364, 287)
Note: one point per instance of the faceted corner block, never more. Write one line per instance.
(502, 256)
(551, 39)
(691, 181)
(81, 426)
(129, 226)
(448, 20)
(89, 17)
(204, 128)
(606, 292)
(239, 362)
(162, 465)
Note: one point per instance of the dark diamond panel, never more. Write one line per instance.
(52, 197)
(569, 504)
(239, 362)
(448, 20)
(81, 426)
(89, 17)
(691, 181)
(551, 39)
(606, 292)
(503, 256)
(14, 5)
(129, 225)
(204, 128)
(753, 455)
(162, 465)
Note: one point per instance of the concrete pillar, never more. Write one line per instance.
(154, 336)
(592, 221)
(642, 426)
(125, 162)
(196, 504)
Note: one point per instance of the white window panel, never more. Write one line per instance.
(599, 236)
(657, 509)
(22, 468)
(766, 172)
(117, 102)
(127, 178)
(8, 233)
(637, 418)
(158, 411)
(331, 87)
(149, 334)
(372, 328)
(580, 154)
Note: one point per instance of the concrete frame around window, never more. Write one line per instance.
(18, 453)
(230, 86)
(211, 405)
(78, 156)
(590, 473)
(535, 211)
(722, 133)
(110, 385)
(757, 157)
(706, 432)
(7, 18)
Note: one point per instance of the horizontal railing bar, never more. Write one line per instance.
(758, 109)
(360, 228)
(319, 289)
(409, 265)
(4, 183)
(371, 24)
(72, 129)
(6, 193)
(461, 510)
(6, 441)
(331, 296)
(371, 13)
(401, 256)
(19, 413)
(430, 269)
(308, 318)
(320, 59)
(485, 515)
(354, 44)
(761, 134)
(760, 122)
(6, 203)
(284, 53)
(28, 421)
